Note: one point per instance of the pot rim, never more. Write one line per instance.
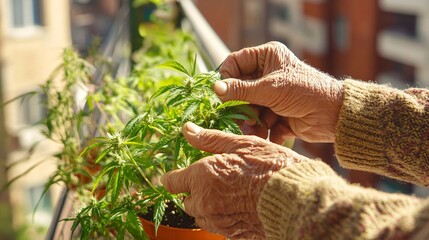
(175, 228)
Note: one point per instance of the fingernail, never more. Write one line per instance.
(220, 88)
(193, 128)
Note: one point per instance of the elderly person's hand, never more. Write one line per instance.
(291, 98)
(224, 188)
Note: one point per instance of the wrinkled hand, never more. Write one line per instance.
(291, 98)
(224, 188)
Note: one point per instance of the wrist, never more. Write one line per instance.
(282, 204)
(337, 93)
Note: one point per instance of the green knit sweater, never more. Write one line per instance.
(381, 130)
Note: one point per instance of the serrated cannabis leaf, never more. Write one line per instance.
(190, 109)
(159, 210)
(174, 65)
(163, 90)
(134, 126)
(232, 103)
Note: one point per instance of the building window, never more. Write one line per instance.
(280, 11)
(399, 23)
(26, 13)
(399, 75)
(44, 211)
(34, 109)
(341, 31)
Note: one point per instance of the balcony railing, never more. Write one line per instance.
(212, 51)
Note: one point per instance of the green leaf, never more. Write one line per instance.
(97, 142)
(235, 116)
(134, 126)
(121, 233)
(218, 67)
(116, 184)
(133, 225)
(102, 155)
(206, 78)
(194, 66)
(159, 210)
(232, 103)
(163, 142)
(164, 89)
(31, 168)
(231, 126)
(179, 99)
(248, 111)
(177, 146)
(175, 66)
(190, 109)
(133, 107)
(22, 97)
(110, 167)
(90, 102)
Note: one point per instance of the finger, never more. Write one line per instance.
(178, 181)
(280, 132)
(260, 92)
(256, 130)
(213, 141)
(190, 207)
(268, 119)
(240, 63)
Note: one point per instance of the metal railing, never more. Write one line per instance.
(113, 49)
(211, 49)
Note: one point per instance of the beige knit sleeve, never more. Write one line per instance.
(384, 130)
(309, 201)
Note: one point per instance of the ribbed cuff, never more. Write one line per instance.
(359, 134)
(309, 201)
(281, 203)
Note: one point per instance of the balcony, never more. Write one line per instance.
(211, 52)
(406, 7)
(401, 48)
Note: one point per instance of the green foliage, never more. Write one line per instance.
(138, 121)
(151, 143)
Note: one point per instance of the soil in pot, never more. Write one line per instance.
(176, 225)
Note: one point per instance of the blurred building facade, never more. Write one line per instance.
(33, 34)
(403, 43)
(382, 40)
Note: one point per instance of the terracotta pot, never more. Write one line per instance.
(171, 233)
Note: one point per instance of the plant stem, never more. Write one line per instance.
(133, 161)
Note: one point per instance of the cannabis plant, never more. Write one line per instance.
(115, 149)
(150, 145)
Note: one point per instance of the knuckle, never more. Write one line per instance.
(254, 140)
(209, 208)
(239, 89)
(213, 140)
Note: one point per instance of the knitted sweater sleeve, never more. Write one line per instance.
(380, 130)
(384, 130)
(310, 201)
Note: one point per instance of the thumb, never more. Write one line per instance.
(213, 141)
(260, 92)
(177, 181)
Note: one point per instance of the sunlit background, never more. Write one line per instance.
(386, 41)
